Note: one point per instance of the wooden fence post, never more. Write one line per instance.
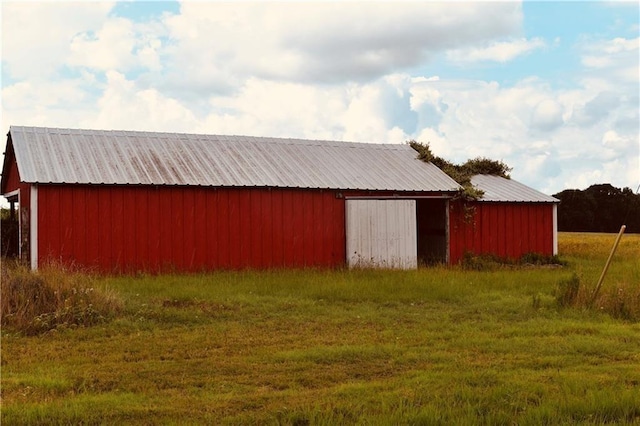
(606, 266)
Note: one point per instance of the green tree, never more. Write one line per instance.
(599, 208)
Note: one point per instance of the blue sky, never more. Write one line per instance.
(551, 88)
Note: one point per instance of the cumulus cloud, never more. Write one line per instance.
(483, 119)
(326, 42)
(349, 71)
(274, 108)
(611, 139)
(109, 49)
(618, 57)
(532, 127)
(597, 108)
(214, 48)
(39, 103)
(496, 51)
(547, 115)
(121, 106)
(40, 33)
(371, 112)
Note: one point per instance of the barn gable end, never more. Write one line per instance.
(16, 233)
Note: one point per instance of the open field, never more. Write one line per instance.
(433, 346)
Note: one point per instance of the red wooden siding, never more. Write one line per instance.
(132, 228)
(12, 178)
(12, 181)
(508, 230)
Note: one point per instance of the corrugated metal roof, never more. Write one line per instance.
(49, 155)
(497, 188)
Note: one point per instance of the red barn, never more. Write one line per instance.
(127, 201)
(121, 201)
(510, 220)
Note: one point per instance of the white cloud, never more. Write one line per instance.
(122, 106)
(328, 71)
(437, 142)
(372, 112)
(497, 51)
(613, 140)
(620, 44)
(39, 103)
(119, 44)
(219, 44)
(617, 58)
(263, 107)
(484, 119)
(547, 115)
(214, 48)
(37, 35)
(533, 128)
(110, 48)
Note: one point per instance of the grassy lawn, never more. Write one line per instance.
(433, 346)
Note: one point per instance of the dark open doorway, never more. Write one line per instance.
(433, 231)
(10, 228)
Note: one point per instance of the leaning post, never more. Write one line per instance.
(606, 266)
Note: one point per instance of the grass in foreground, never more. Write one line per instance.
(434, 346)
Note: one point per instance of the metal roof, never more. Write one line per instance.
(50, 155)
(497, 188)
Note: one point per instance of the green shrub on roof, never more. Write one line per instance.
(462, 173)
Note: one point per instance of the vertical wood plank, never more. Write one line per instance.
(267, 246)
(92, 227)
(189, 219)
(277, 229)
(131, 240)
(117, 228)
(201, 228)
(296, 207)
(165, 223)
(245, 228)
(156, 230)
(105, 230)
(141, 217)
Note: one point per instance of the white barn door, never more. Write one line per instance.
(381, 234)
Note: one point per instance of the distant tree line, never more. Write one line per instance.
(599, 208)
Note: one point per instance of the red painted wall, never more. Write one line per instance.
(147, 228)
(11, 181)
(508, 230)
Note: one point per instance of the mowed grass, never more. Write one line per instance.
(433, 346)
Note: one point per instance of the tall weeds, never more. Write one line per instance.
(586, 253)
(621, 300)
(52, 297)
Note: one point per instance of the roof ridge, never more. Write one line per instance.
(272, 139)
